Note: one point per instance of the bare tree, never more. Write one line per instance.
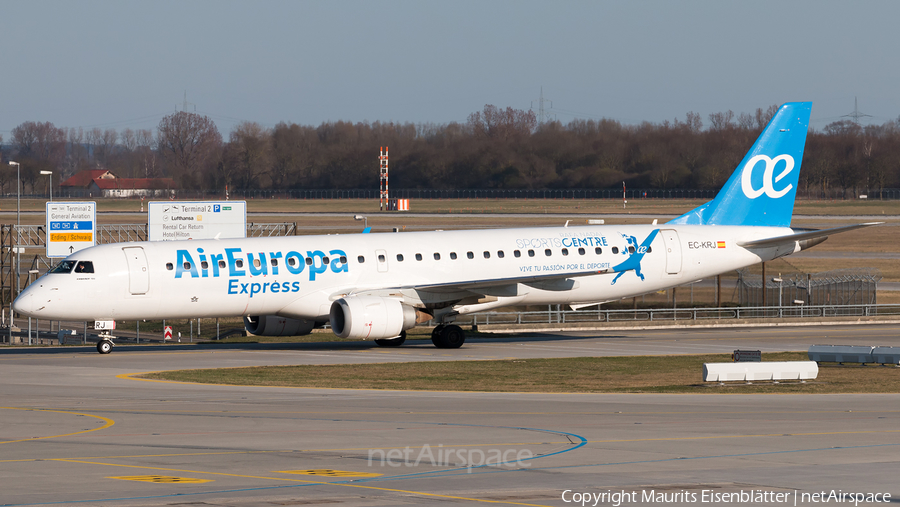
(41, 141)
(129, 140)
(250, 147)
(188, 142)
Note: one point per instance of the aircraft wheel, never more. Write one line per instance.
(392, 342)
(436, 333)
(449, 337)
(104, 346)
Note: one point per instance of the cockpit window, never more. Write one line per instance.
(64, 267)
(84, 267)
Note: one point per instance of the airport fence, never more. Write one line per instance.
(554, 315)
(478, 193)
(34, 331)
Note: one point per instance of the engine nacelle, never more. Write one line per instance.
(370, 317)
(273, 325)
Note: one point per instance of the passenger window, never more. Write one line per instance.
(381, 258)
(548, 252)
(66, 267)
(256, 263)
(437, 256)
(565, 251)
(325, 261)
(222, 264)
(581, 251)
(343, 260)
(631, 249)
(649, 249)
(274, 263)
(308, 261)
(418, 256)
(531, 253)
(360, 259)
(400, 257)
(615, 249)
(292, 262)
(204, 264)
(517, 253)
(598, 250)
(500, 253)
(487, 255)
(238, 263)
(186, 265)
(470, 255)
(169, 266)
(453, 256)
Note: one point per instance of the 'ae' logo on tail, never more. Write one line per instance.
(768, 186)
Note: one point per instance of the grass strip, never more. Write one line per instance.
(640, 374)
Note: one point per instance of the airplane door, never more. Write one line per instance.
(673, 251)
(138, 273)
(381, 261)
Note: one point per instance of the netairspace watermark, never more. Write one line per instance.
(709, 496)
(448, 456)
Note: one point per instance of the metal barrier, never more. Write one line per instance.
(854, 354)
(554, 316)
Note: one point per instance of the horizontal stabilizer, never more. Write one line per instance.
(802, 236)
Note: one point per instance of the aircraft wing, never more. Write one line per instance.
(802, 236)
(494, 282)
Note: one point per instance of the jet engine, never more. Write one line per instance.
(273, 325)
(370, 317)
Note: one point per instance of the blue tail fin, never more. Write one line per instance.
(762, 189)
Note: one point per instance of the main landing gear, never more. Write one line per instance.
(392, 342)
(448, 337)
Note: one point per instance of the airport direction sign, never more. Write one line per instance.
(71, 226)
(175, 220)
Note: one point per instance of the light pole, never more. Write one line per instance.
(50, 173)
(361, 217)
(18, 192)
(15, 241)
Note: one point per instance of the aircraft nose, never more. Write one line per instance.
(24, 304)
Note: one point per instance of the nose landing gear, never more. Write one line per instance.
(105, 346)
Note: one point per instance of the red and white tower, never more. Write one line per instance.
(383, 160)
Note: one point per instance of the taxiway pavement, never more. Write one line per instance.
(75, 429)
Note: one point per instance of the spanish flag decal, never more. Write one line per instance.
(720, 244)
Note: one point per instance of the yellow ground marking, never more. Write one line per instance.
(322, 483)
(162, 479)
(108, 422)
(327, 472)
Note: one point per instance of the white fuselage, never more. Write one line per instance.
(300, 276)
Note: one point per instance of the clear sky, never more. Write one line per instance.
(124, 64)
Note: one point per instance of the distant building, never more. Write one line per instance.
(102, 183)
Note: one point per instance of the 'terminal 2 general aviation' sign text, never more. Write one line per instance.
(176, 220)
(70, 227)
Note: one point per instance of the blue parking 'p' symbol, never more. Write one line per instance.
(217, 208)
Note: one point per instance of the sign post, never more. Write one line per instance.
(71, 226)
(169, 221)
